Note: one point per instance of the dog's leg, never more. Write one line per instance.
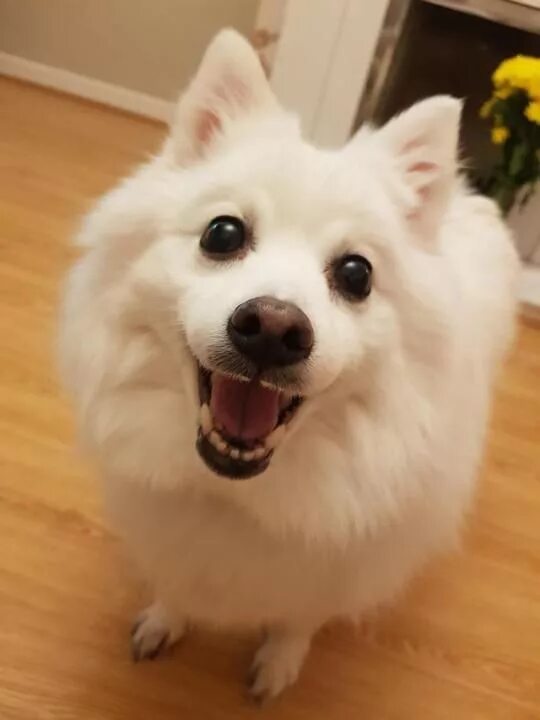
(277, 662)
(154, 631)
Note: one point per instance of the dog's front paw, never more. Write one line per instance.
(277, 664)
(153, 633)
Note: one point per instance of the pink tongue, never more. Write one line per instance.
(245, 410)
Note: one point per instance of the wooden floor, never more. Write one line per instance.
(464, 644)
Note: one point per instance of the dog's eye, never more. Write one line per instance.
(352, 277)
(224, 236)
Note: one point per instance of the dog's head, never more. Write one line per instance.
(289, 272)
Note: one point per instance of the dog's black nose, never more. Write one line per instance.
(270, 332)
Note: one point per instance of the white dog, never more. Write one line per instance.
(282, 359)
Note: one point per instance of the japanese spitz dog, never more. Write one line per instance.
(282, 358)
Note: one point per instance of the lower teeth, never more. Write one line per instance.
(222, 446)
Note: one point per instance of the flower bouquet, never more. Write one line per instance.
(514, 114)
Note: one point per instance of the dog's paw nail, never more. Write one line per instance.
(255, 692)
(258, 688)
(251, 677)
(151, 635)
(148, 647)
(275, 667)
(259, 698)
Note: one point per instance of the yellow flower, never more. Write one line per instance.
(499, 135)
(534, 88)
(503, 93)
(485, 109)
(520, 72)
(532, 112)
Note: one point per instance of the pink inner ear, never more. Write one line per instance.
(423, 195)
(233, 90)
(424, 173)
(207, 125)
(423, 167)
(420, 167)
(230, 93)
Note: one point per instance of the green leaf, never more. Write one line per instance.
(517, 160)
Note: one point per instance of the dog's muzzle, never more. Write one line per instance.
(251, 396)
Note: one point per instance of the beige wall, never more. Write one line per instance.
(151, 46)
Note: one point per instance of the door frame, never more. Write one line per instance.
(321, 60)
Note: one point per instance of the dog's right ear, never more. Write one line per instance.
(229, 85)
(423, 145)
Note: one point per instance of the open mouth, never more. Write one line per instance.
(241, 423)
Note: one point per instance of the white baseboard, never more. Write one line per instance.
(86, 87)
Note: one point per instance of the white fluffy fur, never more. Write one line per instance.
(379, 466)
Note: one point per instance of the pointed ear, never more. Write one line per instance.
(423, 143)
(230, 84)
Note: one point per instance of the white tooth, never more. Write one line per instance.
(219, 443)
(271, 386)
(235, 453)
(248, 455)
(259, 453)
(275, 437)
(215, 438)
(223, 447)
(205, 418)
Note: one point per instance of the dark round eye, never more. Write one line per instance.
(352, 277)
(224, 236)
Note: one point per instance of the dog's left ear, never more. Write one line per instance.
(229, 85)
(423, 143)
